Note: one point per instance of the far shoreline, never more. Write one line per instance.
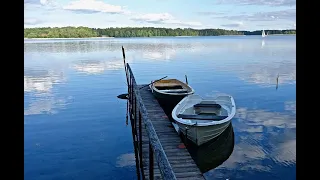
(146, 37)
(71, 38)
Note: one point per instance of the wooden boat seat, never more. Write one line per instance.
(166, 84)
(175, 91)
(201, 117)
(218, 106)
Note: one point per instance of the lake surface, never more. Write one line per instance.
(75, 127)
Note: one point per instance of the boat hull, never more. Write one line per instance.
(168, 101)
(202, 134)
(213, 153)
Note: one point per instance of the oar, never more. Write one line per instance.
(153, 82)
(186, 79)
(125, 96)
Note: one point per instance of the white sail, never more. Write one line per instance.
(263, 34)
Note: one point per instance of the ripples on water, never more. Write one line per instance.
(75, 126)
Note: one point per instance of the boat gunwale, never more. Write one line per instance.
(211, 123)
(188, 88)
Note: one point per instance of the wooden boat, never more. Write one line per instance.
(201, 120)
(169, 92)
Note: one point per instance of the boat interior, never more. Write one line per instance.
(206, 110)
(171, 86)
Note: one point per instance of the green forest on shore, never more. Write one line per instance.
(86, 32)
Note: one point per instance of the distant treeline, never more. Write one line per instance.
(83, 32)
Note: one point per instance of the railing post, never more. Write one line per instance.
(135, 145)
(135, 113)
(140, 140)
(129, 85)
(131, 93)
(151, 176)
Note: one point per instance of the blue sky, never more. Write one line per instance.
(197, 14)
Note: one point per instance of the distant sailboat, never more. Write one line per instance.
(263, 34)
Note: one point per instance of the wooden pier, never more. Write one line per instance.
(159, 151)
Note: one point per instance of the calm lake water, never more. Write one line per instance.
(75, 127)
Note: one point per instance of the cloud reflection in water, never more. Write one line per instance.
(126, 160)
(46, 105)
(38, 83)
(97, 66)
(260, 136)
(159, 54)
(267, 73)
(41, 80)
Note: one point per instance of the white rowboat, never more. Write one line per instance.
(201, 120)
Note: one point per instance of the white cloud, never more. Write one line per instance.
(42, 8)
(40, 3)
(32, 21)
(44, 2)
(210, 13)
(31, 2)
(288, 14)
(39, 8)
(233, 25)
(259, 2)
(163, 18)
(93, 6)
(153, 17)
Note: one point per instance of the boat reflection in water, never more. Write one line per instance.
(213, 153)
